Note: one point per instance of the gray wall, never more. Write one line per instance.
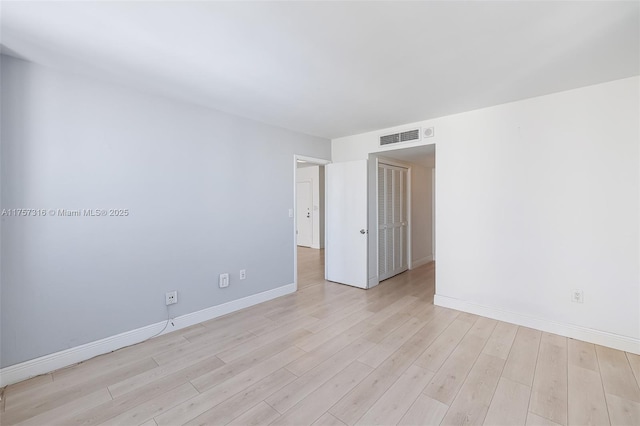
(207, 193)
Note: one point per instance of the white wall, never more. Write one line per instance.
(194, 183)
(315, 174)
(421, 216)
(534, 199)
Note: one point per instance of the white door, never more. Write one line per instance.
(392, 221)
(304, 215)
(346, 223)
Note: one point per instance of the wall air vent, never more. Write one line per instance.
(407, 136)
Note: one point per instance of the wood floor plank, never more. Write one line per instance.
(65, 395)
(437, 353)
(398, 306)
(335, 316)
(582, 354)
(422, 308)
(314, 340)
(222, 328)
(536, 420)
(339, 307)
(305, 306)
(378, 332)
(117, 406)
(238, 404)
(500, 342)
(622, 411)
(391, 343)
(201, 349)
(260, 414)
(426, 309)
(312, 359)
(549, 390)
(396, 401)
(259, 341)
(178, 370)
(230, 386)
(587, 405)
(350, 408)
(424, 411)
(293, 393)
(521, 363)
(74, 407)
(215, 377)
(156, 406)
(471, 404)
(321, 353)
(617, 376)
(449, 379)
(509, 404)
(634, 362)
(26, 386)
(318, 402)
(95, 367)
(328, 420)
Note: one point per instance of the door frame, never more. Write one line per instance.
(373, 213)
(319, 162)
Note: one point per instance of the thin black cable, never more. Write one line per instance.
(163, 329)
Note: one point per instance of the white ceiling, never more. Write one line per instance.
(333, 68)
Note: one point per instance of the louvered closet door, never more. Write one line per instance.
(392, 221)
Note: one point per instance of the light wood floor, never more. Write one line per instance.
(333, 355)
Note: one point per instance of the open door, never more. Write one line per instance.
(346, 223)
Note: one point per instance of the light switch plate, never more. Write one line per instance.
(224, 280)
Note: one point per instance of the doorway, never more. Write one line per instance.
(304, 217)
(309, 218)
(420, 211)
(393, 220)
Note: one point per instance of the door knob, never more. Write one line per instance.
(362, 231)
(308, 215)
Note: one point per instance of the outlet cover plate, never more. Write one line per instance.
(577, 296)
(171, 297)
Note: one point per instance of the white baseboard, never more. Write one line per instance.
(45, 364)
(420, 262)
(616, 341)
(373, 281)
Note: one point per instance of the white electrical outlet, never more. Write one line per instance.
(577, 296)
(171, 297)
(224, 280)
(243, 274)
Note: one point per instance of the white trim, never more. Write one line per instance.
(318, 161)
(373, 281)
(419, 262)
(45, 364)
(616, 341)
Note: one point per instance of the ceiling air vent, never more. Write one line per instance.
(411, 135)
(408, 136)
